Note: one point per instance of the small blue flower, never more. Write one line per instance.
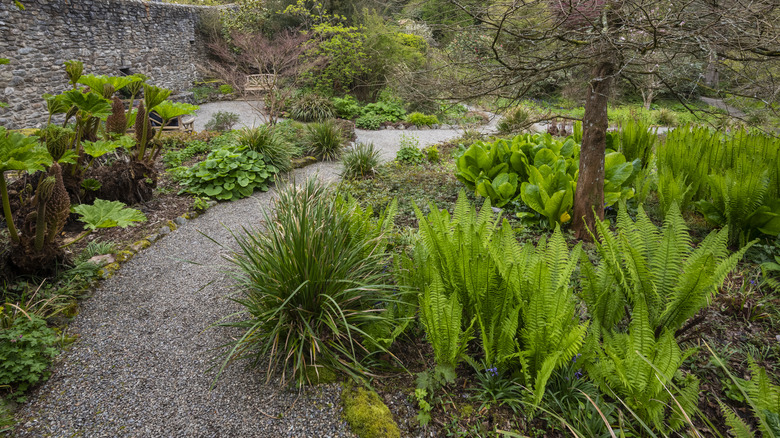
(578, 374)
(574, 359)
(492, 371)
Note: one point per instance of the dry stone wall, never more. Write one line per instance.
(109, 36)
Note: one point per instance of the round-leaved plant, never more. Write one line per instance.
(229, 173)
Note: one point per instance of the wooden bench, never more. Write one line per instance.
(261, 82)
(180, 123)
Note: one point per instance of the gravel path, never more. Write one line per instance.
(141, 365)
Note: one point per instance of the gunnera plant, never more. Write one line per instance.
(116, 123)
(310, 283)
(311, 107)
(264, 140)
(360, 162)
(222, 121)
(325, 140)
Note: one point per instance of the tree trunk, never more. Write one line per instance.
(589, 196)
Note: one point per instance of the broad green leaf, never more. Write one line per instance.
(20, 152)
(154, 96)
(169, 110)
(107, 214)
(90, 103)
(56, 104)
(99, 148)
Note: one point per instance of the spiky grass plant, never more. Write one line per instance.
(360, 162)
(325, 140)
(311, 107)
(310, 284)
(264, 140)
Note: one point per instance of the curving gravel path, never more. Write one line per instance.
(141, 366)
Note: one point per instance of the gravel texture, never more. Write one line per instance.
(246, 110)
(142, 364)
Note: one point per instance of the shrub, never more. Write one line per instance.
(360, 162)
(264, 140)
(292, 132)
(228, 173)
(222, 121)
(369, 121)
(390, 110)
(324, 140)
(420, 119)
(347, 107)
(666, 117)
(226, 89)
(410, 152)
(310, 283)
(515, 120)
(311, 107)
(432, 153)
(25, 352)
(203, 93)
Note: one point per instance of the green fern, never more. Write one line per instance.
(551, 334)
(637, 141)
(639, 369)
(441, 315)
(737, 425)
(674, 190)
(455, 251)
(661, 268)
(520, 298)
(764, 398)
(735, 200)
(771, 273)
(761, 395)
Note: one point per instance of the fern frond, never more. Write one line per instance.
(673, 248)
(703, 273)
(737, 425)
(441, 317)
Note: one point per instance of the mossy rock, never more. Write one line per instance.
(320, 375)
(367, 414)
(298, 163)
(108, 270)
(123, 256)
(140, 245)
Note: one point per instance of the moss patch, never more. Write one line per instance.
(320, 375)
(367, 414)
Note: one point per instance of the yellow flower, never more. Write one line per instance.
(565, 217)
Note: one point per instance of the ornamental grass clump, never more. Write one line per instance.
(325, 140)
(310, 284)
(275, 150)
(360, 162)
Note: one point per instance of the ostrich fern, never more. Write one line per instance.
(638, 368)
(657, 266)
(471, 271)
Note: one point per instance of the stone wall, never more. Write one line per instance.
(159, 40)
